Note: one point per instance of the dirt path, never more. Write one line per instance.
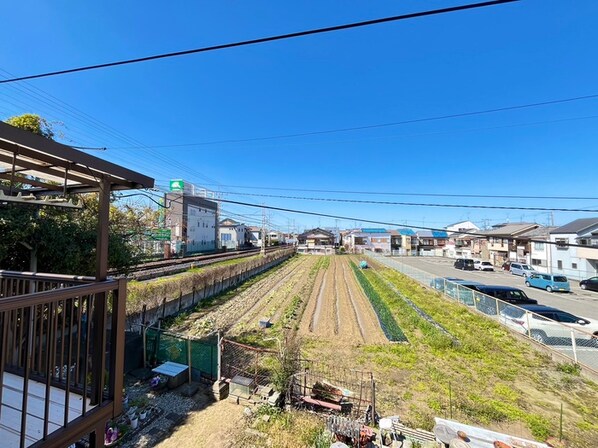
(216, 426)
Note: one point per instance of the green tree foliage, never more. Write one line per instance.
(32, 123)
(63, 240)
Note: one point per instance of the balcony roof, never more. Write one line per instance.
(53, 167)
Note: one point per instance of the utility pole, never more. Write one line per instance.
(263, 251)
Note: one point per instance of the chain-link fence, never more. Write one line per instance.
(201, 353)
(575, 344)
(246, 361)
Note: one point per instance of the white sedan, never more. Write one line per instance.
(479, 265)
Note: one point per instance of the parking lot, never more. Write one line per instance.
(578, 302)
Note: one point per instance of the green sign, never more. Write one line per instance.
(159, 234)
(177, 185)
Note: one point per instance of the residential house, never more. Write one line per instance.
(540, 253)
(379, 240)
(431, 242)
(461, 245)
(63, 342)
(233, 234)
(316, 241)
(461, 226)
(507, 241)
(373, 239)
(403, 242)
(573, 261)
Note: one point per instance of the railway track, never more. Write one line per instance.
(160, 268)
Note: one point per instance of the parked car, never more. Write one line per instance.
(548, 282)
(550, 325)
(439, 283)
(465, 264)
(589, 283)
(522, 269)
(485, 296)
(480, 265)
(462, 290)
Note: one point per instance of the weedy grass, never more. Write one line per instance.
(490, 378)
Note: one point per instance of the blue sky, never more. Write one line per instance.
(519, 53)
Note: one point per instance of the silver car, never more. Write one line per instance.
(522, 269)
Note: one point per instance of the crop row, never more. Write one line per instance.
(387, 321)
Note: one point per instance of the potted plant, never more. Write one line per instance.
(134, 420)
(158, 382)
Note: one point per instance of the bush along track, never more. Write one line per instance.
(390, 327)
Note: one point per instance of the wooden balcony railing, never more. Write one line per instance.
(62, 337)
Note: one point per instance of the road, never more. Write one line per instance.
(578, 302)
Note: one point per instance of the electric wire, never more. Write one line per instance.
(265, 39)
(416, 204)
(385, 223)
(398, 123)
(456, 195)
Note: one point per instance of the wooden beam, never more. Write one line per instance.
(28, 139)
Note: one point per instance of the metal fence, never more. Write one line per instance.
(573, 344)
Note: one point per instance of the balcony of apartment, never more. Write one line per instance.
(62, 354)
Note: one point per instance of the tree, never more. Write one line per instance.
(57, 240)
(32, 123)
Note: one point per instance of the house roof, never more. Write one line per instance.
(316, 231)
(510, 230)
(406, 232)
(577, 226)
(432, 234)
(378, 230)
(541, 231)
(52, 167)
(229, 222)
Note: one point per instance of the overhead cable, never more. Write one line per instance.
(264, 39)
(385, 223)
(416, 204)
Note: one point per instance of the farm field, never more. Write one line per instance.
(454, 363)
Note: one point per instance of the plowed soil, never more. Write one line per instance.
(338, 310)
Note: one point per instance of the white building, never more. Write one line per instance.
(575, 262)
(232, 234)
(462, 226)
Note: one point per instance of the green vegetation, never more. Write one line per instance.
(206, 280)
(392, 331)
(490, 378)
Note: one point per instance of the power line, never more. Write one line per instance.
(385, 223)
(399, 123)
(484, 196)
(265, 39)
(416, 204)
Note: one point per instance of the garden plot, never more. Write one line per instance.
(225, 315)
(338, 310)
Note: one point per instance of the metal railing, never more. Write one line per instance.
(574, 345)
(66, 333)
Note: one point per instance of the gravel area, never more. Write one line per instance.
(171, 410)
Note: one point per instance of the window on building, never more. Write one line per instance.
(536, 262)
(226, 237)
(574, 265)
(562, 243)
(559, 264)
(538, 246)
